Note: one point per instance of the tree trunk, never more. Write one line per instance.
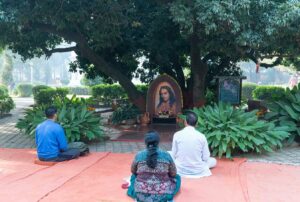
(134, 95)
(199, 71)
(179, 73)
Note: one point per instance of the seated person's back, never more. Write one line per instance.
(154, 173)
(51, 140)
(190, 150)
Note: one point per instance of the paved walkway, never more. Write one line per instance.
(10, 137)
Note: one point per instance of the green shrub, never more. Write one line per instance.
(247, 90)
(6, 104)
(61, 93)
(124, 112)
(79, 123)
(84, 90)
(107, 92)
(47, 96)
(113, 91)
(268, 93)
(3, 90)
(210, 97)
(229, 130)
(24, 90)
(36, 90)
(286, 111)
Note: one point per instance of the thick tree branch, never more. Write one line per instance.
(105, 67)
(66, 34)
(48, 53)
(266, 65)
(270, 56)
(276, 62)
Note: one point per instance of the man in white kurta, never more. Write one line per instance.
(190, 150)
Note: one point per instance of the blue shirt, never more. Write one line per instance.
(50, 139)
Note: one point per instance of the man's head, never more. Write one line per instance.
(191, 119)
(51, 113)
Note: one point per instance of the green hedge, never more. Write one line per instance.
(247, 90)
(24, 90)
(46, 96)
(113, 91)
(82, 90)
(107, 92)
(36, 90)
(3, 90)
(268, 93)
(61, 92)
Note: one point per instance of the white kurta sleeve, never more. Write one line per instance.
(174, 148)
(205, 151)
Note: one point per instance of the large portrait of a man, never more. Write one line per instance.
(164, 98)
(165, 102)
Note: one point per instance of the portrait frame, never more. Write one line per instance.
(153, 94)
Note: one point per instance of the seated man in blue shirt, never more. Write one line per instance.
(51, 140)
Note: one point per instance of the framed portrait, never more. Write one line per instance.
(164, 98)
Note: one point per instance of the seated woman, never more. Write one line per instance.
(154, 176)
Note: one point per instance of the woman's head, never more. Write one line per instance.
(166, 95)
(152, 141)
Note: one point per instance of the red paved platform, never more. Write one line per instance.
(98, 177)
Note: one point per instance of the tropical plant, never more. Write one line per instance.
(79, 123)
(210, 97)
(229, 130)
(32, 118)
(6, 104)
(286, 112)
(125, 112)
